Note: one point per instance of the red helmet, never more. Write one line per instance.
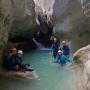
(13, 50)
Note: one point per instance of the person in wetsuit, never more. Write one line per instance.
(9, 60)
(61, 58)
(65, 49)
(54, 48)
(19, 65)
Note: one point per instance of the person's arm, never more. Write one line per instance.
(51, 46)
(17, 63)
(58, 58)
(68, 50)
(52, 49)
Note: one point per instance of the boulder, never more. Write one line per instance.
(82, 60)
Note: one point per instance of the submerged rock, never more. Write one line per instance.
(18, 74)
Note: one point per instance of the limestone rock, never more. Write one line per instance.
(63, 14)
(82, 59)
(24, 18)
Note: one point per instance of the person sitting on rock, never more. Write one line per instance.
(9, 60)
(19, 65)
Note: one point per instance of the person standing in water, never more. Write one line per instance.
(61, 58)
(65, 49)
(55, 47)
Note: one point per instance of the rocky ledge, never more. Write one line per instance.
(82, 68)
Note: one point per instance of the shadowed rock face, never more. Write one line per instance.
(24, 18)
(24, 24)
(18, 16)
(18, 19)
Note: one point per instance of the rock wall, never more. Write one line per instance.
(17, 19)
(19, 16)
(82, 62)
(24, 18)
(64, 13)
(45, 5)
(5, 22)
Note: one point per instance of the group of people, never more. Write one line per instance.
(60, 52)
(13, 61)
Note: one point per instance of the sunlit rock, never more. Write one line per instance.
(82, 59)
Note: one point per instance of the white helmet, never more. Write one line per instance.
(59, 51)
(20, 52)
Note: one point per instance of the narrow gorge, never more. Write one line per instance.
(23, 21)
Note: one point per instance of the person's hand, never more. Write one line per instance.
(17, 67)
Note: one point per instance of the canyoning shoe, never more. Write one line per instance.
(30, 69)
(27, 65)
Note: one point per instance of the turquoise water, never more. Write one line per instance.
(51, 76)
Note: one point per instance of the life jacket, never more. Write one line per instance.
(66, 50)
(9, 62)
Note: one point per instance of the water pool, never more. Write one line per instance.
(51, 76)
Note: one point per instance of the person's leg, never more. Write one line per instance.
(55, 56)
(26, 67)
(63, 60)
